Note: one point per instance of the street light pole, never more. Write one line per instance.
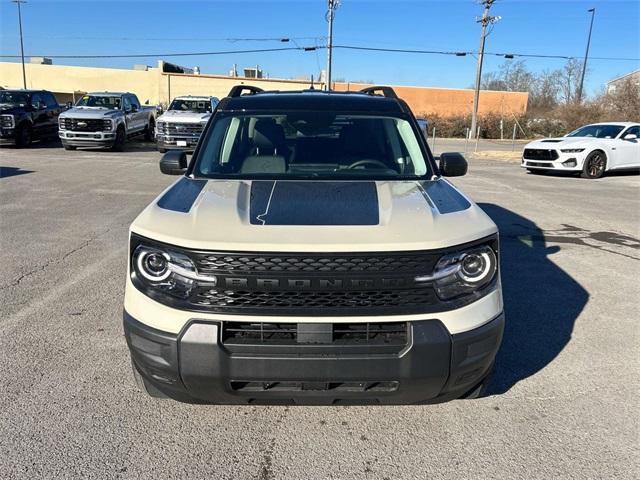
(24, 74)
(484, 21)
(586, 55)
(332, 4)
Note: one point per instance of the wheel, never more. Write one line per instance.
(69, 147)
(162, 150)
(118, 143)
(150, 132)
(594, 165)
(24, 135)
(535, 171)
(145, 386)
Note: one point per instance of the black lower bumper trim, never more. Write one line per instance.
(195, 366)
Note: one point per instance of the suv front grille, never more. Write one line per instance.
(359, 301)
(309, 284)
(226, 263)
(540, 154)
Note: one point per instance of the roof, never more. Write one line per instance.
(24, 90)
(619, 124)
(314, 100)
(195, 97)
(109, 94)
(635, 72)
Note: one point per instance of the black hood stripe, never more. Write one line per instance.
(443, 197)
(181, 196)
(313, 203)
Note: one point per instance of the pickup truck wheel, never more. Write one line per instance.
(24, 135)
(594, 165)
(70, 147)
(145, 386)
(118, 143)
(150, 131)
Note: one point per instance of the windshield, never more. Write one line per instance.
(597, 131)
(200, 106)
(14, 98)
(102, 101)
(311, 145)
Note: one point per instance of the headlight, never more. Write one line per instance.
(572, 150)
(160, 126)
(166, 271)
(62, 124)
(107, 125)
(7, 121)
(462, 273)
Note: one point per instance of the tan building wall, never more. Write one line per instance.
(159, 88)
(453, 101)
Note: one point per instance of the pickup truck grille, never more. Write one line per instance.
(540, 154)
(85, 124)
(178, 129)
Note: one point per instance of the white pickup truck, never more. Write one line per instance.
(181, 125)
(106, 119)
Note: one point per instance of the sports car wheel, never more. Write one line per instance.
(594, 165)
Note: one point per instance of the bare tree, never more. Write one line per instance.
(569, 79)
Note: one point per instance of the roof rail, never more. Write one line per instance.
(387, 92)
(238, 89)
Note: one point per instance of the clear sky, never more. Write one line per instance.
(125, 27)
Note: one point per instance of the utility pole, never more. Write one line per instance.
(586, 55)
(331, 12)
(484, 21)
(24, 74)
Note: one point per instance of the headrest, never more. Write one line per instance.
(360, 139)
(268, 134)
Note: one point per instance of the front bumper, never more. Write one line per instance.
(177, 142)
(566, 162)
(196, 366)
(87, 139)
(7, 136)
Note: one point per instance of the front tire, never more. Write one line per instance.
(150, 131)
(594, 165)
(24, 135)
(118, 143)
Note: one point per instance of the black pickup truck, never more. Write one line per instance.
(27, 115)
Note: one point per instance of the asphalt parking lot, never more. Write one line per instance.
(563, 402)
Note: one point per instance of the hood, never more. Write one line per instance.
(559, 142)
(315, 216)
(8, 109)
(90, 112)
(181, 116)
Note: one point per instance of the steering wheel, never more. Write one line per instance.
(368, 161)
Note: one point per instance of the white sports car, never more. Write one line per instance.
(590, 150)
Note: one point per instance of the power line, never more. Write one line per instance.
(165, 55)
(460, 53)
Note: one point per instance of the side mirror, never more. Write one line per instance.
(453, 164)
(69, 105)
(134, 108)
(630, 136)
(174, 162)
(42, 106)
